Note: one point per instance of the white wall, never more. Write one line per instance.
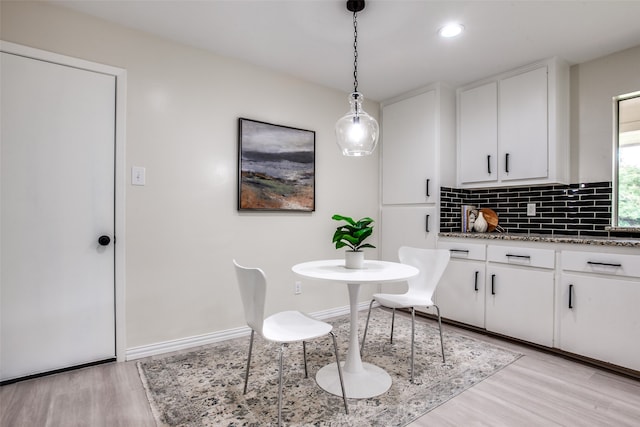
(593, 86)
(183, 228)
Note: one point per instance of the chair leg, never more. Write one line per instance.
(246, 375)
(440, 326)
(393, 319)
(344, 395)
(364, 336)
(413, 334)
(280, 385)
(304, 355)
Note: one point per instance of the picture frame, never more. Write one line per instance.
(276, 167)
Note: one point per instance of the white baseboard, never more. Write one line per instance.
(213, 337)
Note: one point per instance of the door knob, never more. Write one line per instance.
(104, 240)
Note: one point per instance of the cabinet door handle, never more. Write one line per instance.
(518, 256)
(606, 264)
(475, 284)
(493, 283)
(570, 296)
(427, 223)
(489, 164)
(506, 163)
(428, 195)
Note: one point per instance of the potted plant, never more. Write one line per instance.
(352, 235)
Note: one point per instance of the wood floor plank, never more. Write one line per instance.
(480, 406)
(22, 405)
(620, 387)
(557, 401)
(109, 395)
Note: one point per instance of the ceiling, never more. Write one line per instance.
(398, 46)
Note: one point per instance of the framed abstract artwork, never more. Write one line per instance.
(276, 167)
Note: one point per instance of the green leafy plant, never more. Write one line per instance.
(353, 233)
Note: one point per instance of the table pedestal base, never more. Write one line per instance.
(370, 382)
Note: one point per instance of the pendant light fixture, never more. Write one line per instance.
(357, 132)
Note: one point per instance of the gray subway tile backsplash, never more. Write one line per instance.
(572, 210)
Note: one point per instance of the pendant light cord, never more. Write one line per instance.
(355, 52)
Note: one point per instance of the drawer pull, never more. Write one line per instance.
(606, 264)
(518, 256)
(493, 282)
(570, 296)
(475, 284)
(428, 195)
(463, 251)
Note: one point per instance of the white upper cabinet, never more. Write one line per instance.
(478, 134)
(523, 128)
(513, 129)
(408, 135)
(417, 133)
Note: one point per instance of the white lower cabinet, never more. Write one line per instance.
(590, 311)
(597, 312)
(415, 226)
(520, 293)
(461, 292)
(519, 303)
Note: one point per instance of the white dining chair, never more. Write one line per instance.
(283, 327)
(431, 263)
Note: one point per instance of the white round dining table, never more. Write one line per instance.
(361, 380)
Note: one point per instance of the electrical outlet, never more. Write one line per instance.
(297, 288)
(137, 175)
(531, 209)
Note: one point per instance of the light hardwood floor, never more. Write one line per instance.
(539, 389)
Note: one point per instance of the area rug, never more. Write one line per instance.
(204, 387)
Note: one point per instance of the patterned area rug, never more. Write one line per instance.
(204, 387)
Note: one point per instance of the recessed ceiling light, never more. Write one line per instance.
(451, 30)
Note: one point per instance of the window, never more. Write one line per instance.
(626, 212)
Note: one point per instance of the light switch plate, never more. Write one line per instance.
(137, 175)
(531, 209)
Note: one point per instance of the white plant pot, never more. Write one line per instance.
(354, 260)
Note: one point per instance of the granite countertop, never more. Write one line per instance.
(546, 238)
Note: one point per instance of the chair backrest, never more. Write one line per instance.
(253, 290)
(430, 262)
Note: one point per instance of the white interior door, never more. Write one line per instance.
(57, 198)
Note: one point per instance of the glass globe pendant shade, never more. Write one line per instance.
(357, 132)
